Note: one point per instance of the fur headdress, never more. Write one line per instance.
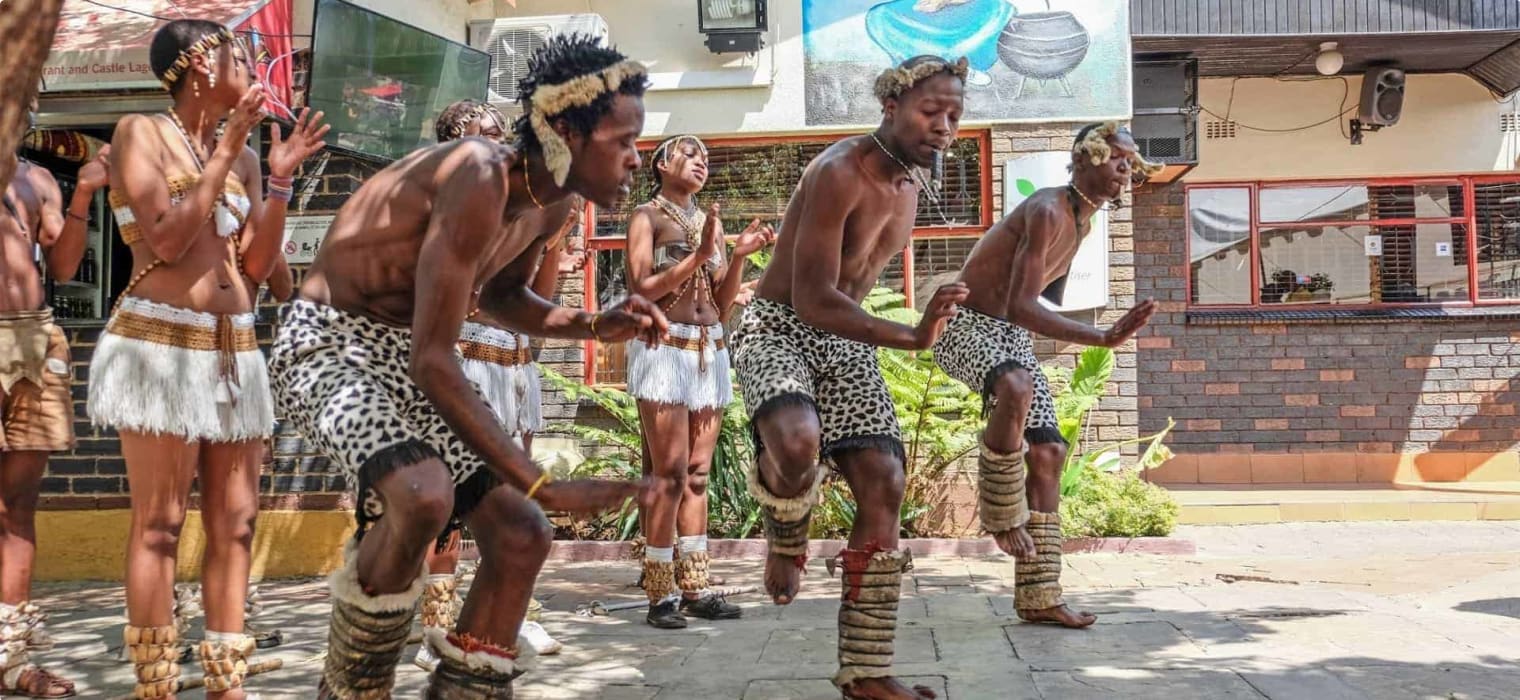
(1094, 146)
(550, 101)
(893, 82)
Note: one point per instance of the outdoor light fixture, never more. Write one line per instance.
(732, 26)
(1329, 60)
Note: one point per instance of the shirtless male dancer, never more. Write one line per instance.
(500, 364)
(987, 347)
(806, 356)
(367, 366)
(36, 406)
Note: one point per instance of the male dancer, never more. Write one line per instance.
(987, 347)
(366, 364)
(493, 361)
(806, 356)
(36, 408)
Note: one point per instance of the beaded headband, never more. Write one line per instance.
(662, 152)
(893, 82)
(205, 44)
(455, 129)
(550, 101)
(1095, 146)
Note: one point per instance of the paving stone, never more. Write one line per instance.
(1424, 681)
(801, 645)
(823, 689)
(1314, 683)
(1144, 643)
(1137, 684)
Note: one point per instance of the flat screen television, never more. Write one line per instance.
(382, 82)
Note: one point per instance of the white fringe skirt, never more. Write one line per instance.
(500, 363)
(163, 370)
(689, 369)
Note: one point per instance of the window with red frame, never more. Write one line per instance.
(754, 178)
(1452, 241)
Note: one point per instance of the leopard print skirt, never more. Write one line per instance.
(782, 361)
(342, 380)
(977, 349)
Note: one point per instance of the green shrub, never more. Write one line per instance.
(1117, 504)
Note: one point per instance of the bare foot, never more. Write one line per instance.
(1059, 615)
(1016, 542)
(783, 577)
(885, 689)
(37, 682)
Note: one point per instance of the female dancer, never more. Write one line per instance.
(675, 255)
(178, 372)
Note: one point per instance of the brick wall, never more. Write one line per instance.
(1395, 386)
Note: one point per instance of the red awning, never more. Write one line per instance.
(106, 48)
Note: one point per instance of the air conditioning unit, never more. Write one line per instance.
(1165, 124)
(511, 41)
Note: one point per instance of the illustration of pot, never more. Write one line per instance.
(1044, 46)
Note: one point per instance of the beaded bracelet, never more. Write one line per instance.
(542, 479)
(283, 194)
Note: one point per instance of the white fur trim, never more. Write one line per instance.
(473, 332)
(670, 375)
(527, 655)
(160, 389)
(344, 585)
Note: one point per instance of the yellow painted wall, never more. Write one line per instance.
(1450, 124)
(91, 544)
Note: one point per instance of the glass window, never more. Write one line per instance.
(1497, 213)
(1219, 245)
(1353, 243)
(936, 263)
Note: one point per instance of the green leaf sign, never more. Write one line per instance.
(1024, 186)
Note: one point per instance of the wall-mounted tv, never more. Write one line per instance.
(382, 82)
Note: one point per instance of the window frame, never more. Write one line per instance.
(1469, 221)
(594, 244)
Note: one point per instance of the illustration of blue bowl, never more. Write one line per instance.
(970, 29)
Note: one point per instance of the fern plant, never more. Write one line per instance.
(732, 511)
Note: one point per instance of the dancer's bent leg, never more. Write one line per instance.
(1037, 597)
(666, 442)
(160, 469)
(1002, 488)
(479, 659)
(785, 481)
(692, 575)
(872, 574)
(375, 593)
(229, 508)
(22, 623)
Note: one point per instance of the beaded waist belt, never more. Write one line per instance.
(484, 352)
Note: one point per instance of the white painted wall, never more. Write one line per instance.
(764, 93)
(1450, 124)
(447, 18)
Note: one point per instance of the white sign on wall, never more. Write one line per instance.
(303, 235)
(1087, 284)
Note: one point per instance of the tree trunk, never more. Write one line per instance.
(26, 33)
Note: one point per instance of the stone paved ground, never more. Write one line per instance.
(1384, 611)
